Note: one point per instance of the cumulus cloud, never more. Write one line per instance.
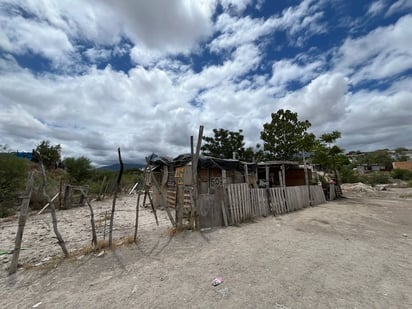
(380, 54)
(399, 6)
(300, 23)
(172, 26)
(155, 103)
(376, 7)
(51, 43)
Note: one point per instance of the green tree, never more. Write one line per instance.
(224, 143)
(79, 169)
(283, 136)
(380, 156)
(13, 174)
(51, 155)
(398, 173)
(328, 155)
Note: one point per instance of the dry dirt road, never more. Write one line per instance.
(351, 253)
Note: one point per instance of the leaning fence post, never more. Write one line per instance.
(119, 179)
(137, 217)
(94, 236)
(53, 211)
(22, 222)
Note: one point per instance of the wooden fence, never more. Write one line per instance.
(246, 203)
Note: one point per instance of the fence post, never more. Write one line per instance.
(22, 222)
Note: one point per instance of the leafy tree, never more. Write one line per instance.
(381, 156)
(79, 169)
(224, 143)
(13, 174)
(254, 154)
(4, 148)
(400, 154)
(51, 155)
(328, 155)
(283, 136)
(398, 173)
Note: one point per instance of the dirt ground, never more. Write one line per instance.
(352, 253)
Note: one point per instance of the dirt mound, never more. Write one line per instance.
(357, 187)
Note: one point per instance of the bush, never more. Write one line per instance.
(79, 169)
(50, 155)
(401, 174)
(349, 176)
(376, 178)
(13, 175)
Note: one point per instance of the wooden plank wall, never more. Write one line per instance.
(210, 211)
(297, 197)
(260, 203)
(245, 202)
(240, 206)
(171, 198)
(332, 192)
(318, 197)
(278, 201)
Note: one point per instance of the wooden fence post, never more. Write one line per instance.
(137, 217)
(94, 236)
(53, 211)
(195, 159)
(117, 188)
(22, 222)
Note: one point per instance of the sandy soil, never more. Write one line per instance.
(351, 253)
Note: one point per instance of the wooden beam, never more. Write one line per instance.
(22, 222)
(162, 200)
(47, 205)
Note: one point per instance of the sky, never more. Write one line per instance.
(142, 75)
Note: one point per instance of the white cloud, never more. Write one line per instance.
(323, 101)
(300, 23)
(97, 54)
(145, 56)
(243, 59)
(22, 36)
(379, 119)
(236, 6)
(399, 6)
(168, 26)
(286, 70)
(380, 54)
(162, 99)
(376, 7)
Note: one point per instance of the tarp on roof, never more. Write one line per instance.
(205, 162)
(155, 159)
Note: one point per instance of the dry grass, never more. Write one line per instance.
(84, 251)
(102, 245)
(171, 231)
(99, 221)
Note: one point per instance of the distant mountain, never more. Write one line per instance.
(116, 167)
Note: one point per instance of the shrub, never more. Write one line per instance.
(349, 176)
(376, 178)
(13, 175)
(401, 174)
(79, 169)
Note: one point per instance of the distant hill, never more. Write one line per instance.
(116, 167)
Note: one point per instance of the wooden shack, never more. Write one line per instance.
(175, 179)
(275, 173)
(229, 191)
